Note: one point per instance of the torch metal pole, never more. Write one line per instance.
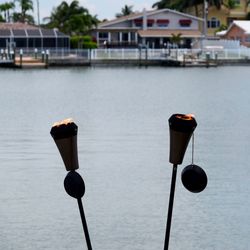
(84, 224)
(170, 206)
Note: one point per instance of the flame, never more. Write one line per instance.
(63, 122)
(186, 117)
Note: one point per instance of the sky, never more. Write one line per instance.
(102, 8)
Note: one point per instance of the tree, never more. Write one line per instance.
(23, 16)
(181, 5)
(5, 8)
(230, 4)
(71, 19)
(176, 38)
(162, 4)
(125, 11)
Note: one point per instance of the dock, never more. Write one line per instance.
(30, 62)
(125, 57)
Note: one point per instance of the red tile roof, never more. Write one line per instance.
(17, 26)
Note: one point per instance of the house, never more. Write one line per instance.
(221, 17)
(238, 30)
(22, 35)
(153, 28)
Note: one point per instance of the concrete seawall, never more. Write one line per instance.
(113, 62)
(69, 62)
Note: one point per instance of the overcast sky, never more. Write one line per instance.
(101, 8)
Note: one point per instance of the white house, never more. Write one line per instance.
(153, 28)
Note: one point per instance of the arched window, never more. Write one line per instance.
(213, 23)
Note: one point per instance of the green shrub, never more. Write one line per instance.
(74, 42)
(89, 45)
(82, 42)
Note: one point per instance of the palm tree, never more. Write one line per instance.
(162, 4)
(181, 5)
(72, 18)
(125, 11)
(6, 7)
(25, 5)
(176, 38)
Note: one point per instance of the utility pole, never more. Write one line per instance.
(205, 3)
(38, 13)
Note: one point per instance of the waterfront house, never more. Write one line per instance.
(20, 35)
(238, 30)
(153, 28)
(221, 17)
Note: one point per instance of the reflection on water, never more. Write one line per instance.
(123, 141)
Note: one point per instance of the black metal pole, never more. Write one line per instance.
(84, 224)
(170, 206)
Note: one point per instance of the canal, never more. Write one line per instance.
(123, 141)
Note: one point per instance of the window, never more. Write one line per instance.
(124, 36)
(185, 22)
(138, 22)
(103, 35)
(237, 2)
(162, 23)
(150, 22)
(238, 38)
(213, 23)
(247, 39)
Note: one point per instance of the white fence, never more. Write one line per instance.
(226, 44)
(139, 54)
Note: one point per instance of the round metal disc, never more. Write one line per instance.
(74, 185)
(194, 178)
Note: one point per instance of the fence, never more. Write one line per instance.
(137, 54)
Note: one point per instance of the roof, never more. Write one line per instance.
(245, 25)
(148, 13)
(221, 33)
(242, 24)
(169, 33)
(17, 26)
(23, 30)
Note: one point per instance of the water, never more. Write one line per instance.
(123, 141)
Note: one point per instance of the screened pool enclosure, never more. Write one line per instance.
(20, 35)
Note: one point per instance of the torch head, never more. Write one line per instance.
(181, 129)
(64, 134)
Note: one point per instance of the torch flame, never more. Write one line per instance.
(186, 117)
(63, 122)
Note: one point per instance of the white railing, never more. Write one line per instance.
(226, 44)
(139, 54)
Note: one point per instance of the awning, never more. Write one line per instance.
(169, 33)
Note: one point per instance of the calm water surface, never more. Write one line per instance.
(123, 140)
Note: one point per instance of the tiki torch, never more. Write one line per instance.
(181, 129)
(64, 134)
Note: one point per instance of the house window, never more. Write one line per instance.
(238, 38)
(213, 23)
(237, 2)
(103, 35)
(150, 22)
(247, 39)
(162, 23)
(138, 22)
(124, 36)
(185, 22)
